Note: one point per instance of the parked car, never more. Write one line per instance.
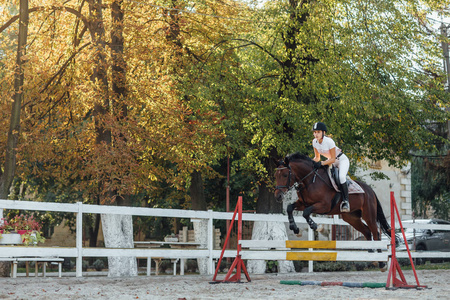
(426, 239)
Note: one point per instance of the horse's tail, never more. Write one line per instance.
(381, 219)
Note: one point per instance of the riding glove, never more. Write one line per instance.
(317, 164)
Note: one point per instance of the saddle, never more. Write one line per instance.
(353, 187)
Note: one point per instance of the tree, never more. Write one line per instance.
(430, 186)
(348, 64)
(326, 61)
(430, 178)
(104, 138)
(7, 175)
(8, 171)
(189, 36)
(137, 116)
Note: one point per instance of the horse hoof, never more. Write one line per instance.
(299, 234)
(320, 228)
(294, 228)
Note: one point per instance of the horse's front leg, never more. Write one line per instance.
(306, 214)
(292, 226)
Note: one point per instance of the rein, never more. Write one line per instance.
(299, 185)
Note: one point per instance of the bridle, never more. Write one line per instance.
(296, 183)
(288, 183)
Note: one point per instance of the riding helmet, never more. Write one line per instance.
(319, 126)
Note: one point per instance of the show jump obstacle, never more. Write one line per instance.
(395, 266)
(329, 251)
(238, 263)
(326, 250)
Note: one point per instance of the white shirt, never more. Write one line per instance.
(325, 147)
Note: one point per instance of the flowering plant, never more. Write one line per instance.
(20, 222)
(23, 223)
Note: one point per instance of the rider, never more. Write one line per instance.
(324, 145)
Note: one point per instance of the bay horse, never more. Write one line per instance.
(316, 193)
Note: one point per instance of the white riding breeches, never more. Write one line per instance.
(343, 163)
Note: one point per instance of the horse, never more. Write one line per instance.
(317, 195)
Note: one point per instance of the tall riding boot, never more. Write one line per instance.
(345, 205)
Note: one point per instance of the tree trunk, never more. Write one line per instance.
(201, 237)
(7, 176)
(118, 69)
(267, 203)
(269, 231)
(198, 202)
(99, 74)
(93, 232)
(118, 233)
(117, 229)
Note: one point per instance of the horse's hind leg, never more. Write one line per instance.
(354, 219)
(368, 231)
(292, 226)
(372, 225)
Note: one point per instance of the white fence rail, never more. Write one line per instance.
(79, 251)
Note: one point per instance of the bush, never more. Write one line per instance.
(68, 264)
(99, 265)
(224, 265)
(85, 265)
(361, 265)
(403, 262)
(165, 264)
(299, 265)
(191, 265)
(272, 266)
(333, 266)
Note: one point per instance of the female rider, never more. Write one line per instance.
(324, 145)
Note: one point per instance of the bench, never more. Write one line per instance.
(158, 261)
(10, 259)
(186, 235)
(156, 244)
(37, 261)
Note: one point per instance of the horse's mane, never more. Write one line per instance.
(297, 156)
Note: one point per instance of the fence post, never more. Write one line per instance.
(210, 242)
(310, 238)
(79, 241)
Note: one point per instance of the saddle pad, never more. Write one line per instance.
(353, 187)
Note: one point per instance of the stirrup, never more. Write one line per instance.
(345, 207)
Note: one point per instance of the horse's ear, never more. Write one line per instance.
(278, 162)
(286, 160)
(275, 161)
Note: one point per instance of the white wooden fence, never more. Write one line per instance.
(79, 251)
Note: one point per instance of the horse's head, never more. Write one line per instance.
(289, 170)
(283, 178)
